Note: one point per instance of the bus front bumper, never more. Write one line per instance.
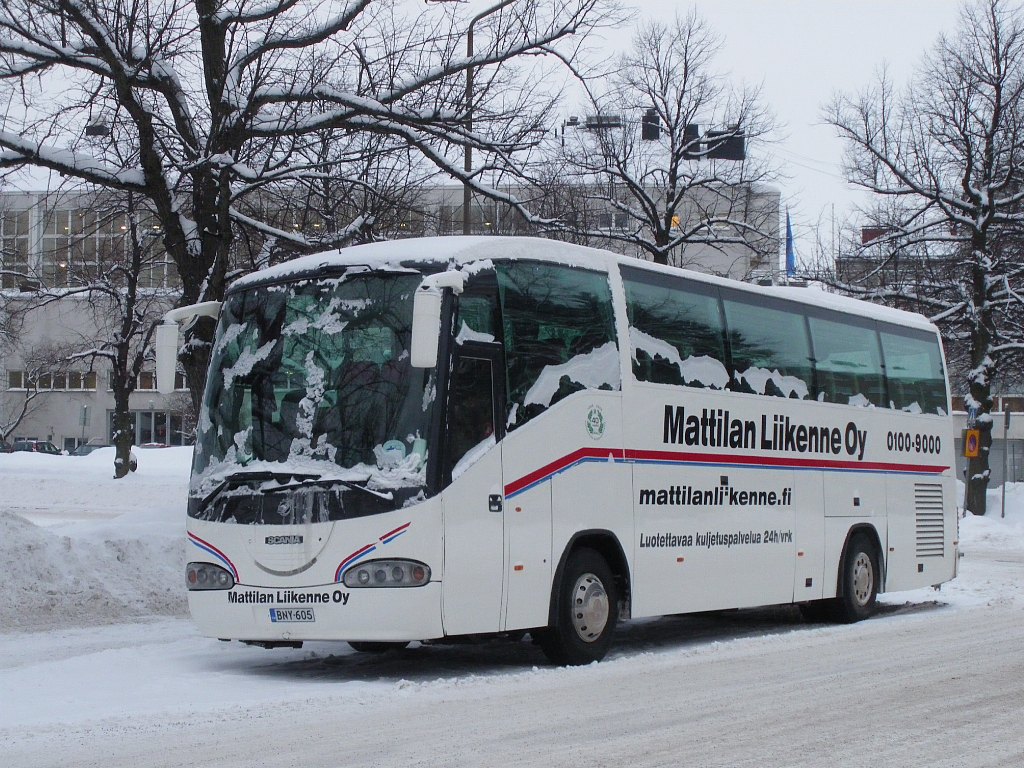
(326, 612)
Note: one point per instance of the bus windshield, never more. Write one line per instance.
(311, 393)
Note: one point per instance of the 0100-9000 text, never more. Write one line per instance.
(906, 442)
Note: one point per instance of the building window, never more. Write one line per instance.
(71, 381)
(153, 426)
(13, 248)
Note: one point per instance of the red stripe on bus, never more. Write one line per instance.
(682, 457)
(615, 454)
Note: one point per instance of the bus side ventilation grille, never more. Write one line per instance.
(929, 520)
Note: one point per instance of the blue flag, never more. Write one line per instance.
(790, 250)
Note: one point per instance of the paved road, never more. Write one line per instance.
(923, 684)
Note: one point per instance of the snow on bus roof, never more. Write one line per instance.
(462, 250)
(441, 250)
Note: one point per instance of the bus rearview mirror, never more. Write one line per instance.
(165, 340)
(426, 316)
(166, 347)
(426, 326)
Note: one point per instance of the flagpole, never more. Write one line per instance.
(790, 249)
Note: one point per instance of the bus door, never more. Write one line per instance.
(474, 500)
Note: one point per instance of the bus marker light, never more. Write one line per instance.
(800, 553)
(387, 573)
(201, 576)
(517, 567)
(680, 559)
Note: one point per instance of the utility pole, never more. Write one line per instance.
(467, 195)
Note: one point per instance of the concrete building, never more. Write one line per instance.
(58, 241)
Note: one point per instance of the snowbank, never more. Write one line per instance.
(79, 548)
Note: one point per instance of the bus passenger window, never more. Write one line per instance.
(675, 331)
(771, 354)
(559, 335)
(848, 361)
(913, 366)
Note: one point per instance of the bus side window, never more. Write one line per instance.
(848, 361)
(770, 350)
(471, 413)
(676, 331)
(559, 334)
(913, 365)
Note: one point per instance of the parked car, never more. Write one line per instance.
(5, 447)
(86, 449)
(36, 446)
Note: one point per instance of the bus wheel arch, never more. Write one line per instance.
(861, 574)
(588, 593)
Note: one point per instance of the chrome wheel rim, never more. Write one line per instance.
(590, 609)
(863, 578)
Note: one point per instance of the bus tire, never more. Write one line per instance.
(364, 646)
(860, 578)
(585, 612)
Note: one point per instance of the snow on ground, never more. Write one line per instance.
(95, 637)
(79, 548)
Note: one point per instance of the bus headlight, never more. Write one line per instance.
(387, 573)
(207, 576)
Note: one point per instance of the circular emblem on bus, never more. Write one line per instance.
(595, 422)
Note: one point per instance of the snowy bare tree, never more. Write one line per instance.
(26, 387)
(663, 159)
(212, 102)
(946, 153)
(111, 267)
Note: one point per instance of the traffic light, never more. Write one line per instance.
(651, 127)
(691, 142)
(726, 145)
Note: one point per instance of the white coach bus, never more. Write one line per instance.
(470, 436)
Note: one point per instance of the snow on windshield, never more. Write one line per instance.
(468, 334)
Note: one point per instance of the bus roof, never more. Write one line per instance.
(463, 250)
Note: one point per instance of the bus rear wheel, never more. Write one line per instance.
(586, 611)
(858, 582)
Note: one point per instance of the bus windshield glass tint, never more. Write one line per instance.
(311, 381)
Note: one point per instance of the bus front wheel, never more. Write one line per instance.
(586, 611)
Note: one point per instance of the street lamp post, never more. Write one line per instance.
(467, 196)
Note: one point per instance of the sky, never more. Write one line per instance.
(803, 52)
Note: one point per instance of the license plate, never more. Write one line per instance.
(291, 614)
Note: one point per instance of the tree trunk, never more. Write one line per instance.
(124, 435)
(978, 470)
(195, 360)
(983, 366)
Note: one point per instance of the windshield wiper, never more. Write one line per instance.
(311, 481)
(242, 478)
